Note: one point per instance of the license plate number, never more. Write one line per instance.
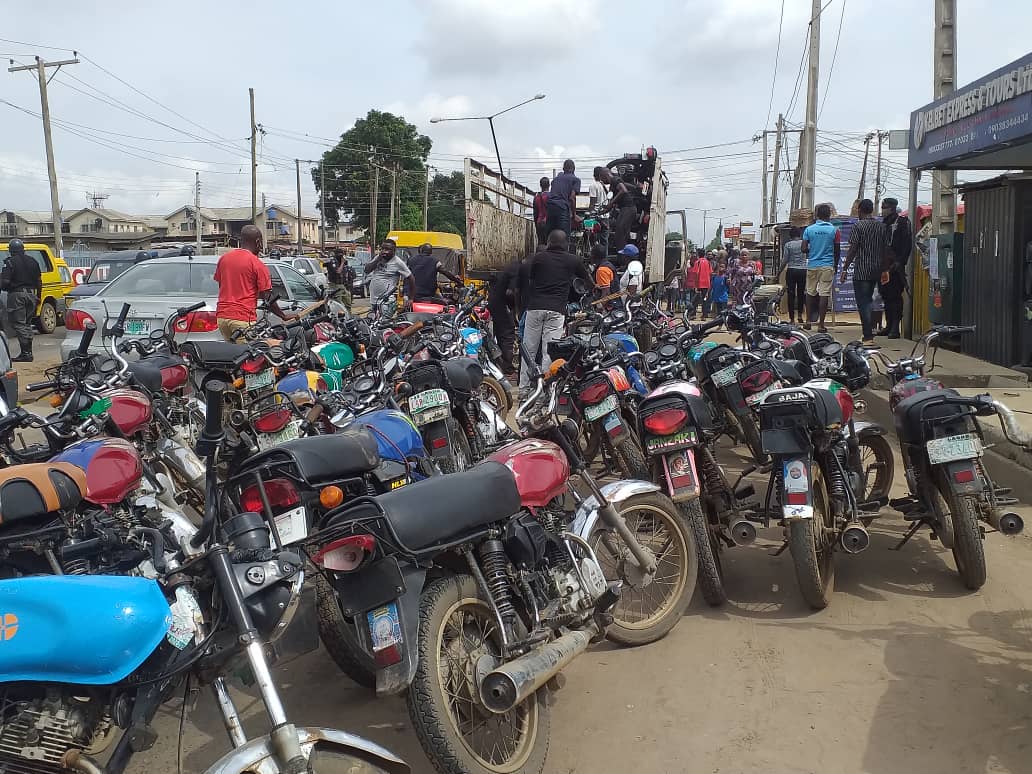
(956, 447)
(726, 376)
(427, 415)
(428, 399)
(660, 442)
(258, 380)
(384, 626)
(137, 327)
(752, 400)
(292, 525)
(288, 433)
(591, 413)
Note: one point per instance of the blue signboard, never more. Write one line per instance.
(990, 112)
(842, 292)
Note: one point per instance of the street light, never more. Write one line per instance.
(705, 214)
(490, 120)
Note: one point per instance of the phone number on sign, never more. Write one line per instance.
(1009, 123)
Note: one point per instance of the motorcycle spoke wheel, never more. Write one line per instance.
(649, 607)
(492, 392)
(877, 466)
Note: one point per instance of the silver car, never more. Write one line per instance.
(311, 268)
(156, 288)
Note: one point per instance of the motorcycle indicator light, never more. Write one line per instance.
(346, 554)
(331, 496)
(272, 422)
(554, 368)
(665, 421)
(281, 493)
(594, 393)
(56, 401)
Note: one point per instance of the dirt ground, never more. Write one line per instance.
(904, 672)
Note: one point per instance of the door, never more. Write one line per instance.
(298, 290)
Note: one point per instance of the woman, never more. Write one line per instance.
(741, 274)
(794, 261)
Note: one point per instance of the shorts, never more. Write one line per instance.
(228, 327)
(818, 281)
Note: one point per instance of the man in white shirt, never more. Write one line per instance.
(632, 278)
(597, 190)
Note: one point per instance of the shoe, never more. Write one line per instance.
(868, 343)
(807, 327)
(892, 336)
(882, 332)
(822, 329)
(26, 354)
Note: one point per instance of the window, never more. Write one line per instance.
(184, 227)
(38, 255)
(157, 279)
(298, 287)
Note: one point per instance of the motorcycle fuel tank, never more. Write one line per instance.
(112, 466)
(131, 410)
(44, 621)
(540, 468)
(394, 432)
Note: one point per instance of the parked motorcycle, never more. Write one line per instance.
(942, 446)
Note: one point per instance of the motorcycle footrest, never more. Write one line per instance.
(872, 506)
(1006, 500)
(902, 503)
(1003, 490)
(916, 515)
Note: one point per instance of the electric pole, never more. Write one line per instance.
(877, 168)
(297, 166)
(197, 210)
(41, 75)
(863, 169)
(764, 229)
(322, 207)
(944, 197)
(773, 209)
(375, 193)
(394, 191)
(426, 198)
(808, 144)
(254, 163)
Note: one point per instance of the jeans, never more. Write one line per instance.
(864, 291)
(701, 301)
(542, 327)
(795, 279)
(558, 218)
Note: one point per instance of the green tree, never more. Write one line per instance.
(674, 236)
(716, 243)
(447, 209)
(388, 141)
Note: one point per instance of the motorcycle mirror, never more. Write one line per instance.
(580, 287)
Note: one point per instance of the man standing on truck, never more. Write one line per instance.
(549, 276)
(622, 201)
(562, 200)
(243, 279)
(24, 285)
(425, 267)
(541, 211)
(385, 271)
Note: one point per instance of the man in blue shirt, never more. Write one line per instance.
(562, 200)
(822, 249)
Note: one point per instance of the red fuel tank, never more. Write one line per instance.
(112, 466)
(540, 468)
(130, 409)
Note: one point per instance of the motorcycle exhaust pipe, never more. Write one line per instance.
(855, 538)
(183, 461)
(511, 683)
(1007, 523)
(743, 533)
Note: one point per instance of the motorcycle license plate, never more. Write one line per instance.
(797, 503)
(426, 416)
(428, 399)
(613, 424)
(258, 380)
(288, 433)
(292, 525)
(137, 327)
(608, 406)
(956, 447)
(756, 398)
(661, 442)
(384, 627)
(726, 376)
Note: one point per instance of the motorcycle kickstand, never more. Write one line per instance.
(906, 538)
(781, 549)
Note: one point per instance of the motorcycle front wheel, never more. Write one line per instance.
(877, 466)
(812, 545)
(649, 607)
(456, 630)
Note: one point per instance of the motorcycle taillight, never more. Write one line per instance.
(665, 421)
(254, 365)
(273, 421)
(594, 393)
(346, 554)
(281, 492)
(757, 382)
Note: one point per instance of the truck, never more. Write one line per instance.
(500, 219)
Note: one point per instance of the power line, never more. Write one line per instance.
(834, 56)
(777, 54)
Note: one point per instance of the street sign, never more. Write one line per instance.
(732, 232)
(899, 139)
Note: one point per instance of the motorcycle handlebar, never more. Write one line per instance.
(89, 329)
(40, 386)
(185, 310)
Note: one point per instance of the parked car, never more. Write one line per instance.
(357, 262)
(57, 282)
(156, 288)
(110, 265)
(311, 268)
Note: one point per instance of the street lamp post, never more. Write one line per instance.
(490, 120)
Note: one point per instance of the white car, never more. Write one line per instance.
(310, 268)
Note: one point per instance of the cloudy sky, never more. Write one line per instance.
(162, 89)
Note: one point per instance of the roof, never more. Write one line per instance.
(33, 216)
(155, 221)
(109, 214)
(417, 238)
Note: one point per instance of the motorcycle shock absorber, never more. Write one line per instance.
(495, 563)
(709, 471)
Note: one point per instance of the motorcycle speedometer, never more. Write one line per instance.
(364, 384)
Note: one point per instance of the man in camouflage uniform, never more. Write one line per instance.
(21, 279)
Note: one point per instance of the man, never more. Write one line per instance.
(866, 255)
(634, 276)
(606, 282)
(691, 283)
(702, 290)
(501, 302)
(549, 276)
(425, 268)
(541, 211)
(623, 202)
(340, 277)
(24, 285)
(385, 271)
(562, 200)
(898, 244)
(822, 248)
(243, 279)
(596, 188)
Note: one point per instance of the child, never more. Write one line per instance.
(719, 289)
(673, 291)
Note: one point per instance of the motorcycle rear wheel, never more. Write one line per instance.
(968, 548)
(461, 456)
(628, 456)
(338, 638)
(813, 548)
(492, 391)
(711, 573)
(456, 628)
(658, 525)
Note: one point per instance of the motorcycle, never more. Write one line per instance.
(941, 441)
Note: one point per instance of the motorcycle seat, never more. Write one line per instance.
(214, 352)
(911, 411)
(464, 374)
(322, 458)
(425, 317)
(440, 508)
(36, 489)
(146, 375)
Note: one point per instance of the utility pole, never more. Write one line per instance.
(394, 192)
(773, 210)
(426, 199)
(197, 210)
(808, 144)
(322, 207)
(254, 163)
(877, 168)
(944, 197)
(41, 75)
(764, 229)
(373, 206)
(863, 169)
(297, 166)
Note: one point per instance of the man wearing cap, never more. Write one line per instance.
(24, 285)
(632, 279)
(899, 243)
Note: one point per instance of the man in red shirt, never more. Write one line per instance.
(702, 288)
(243, 279)
(541, 211)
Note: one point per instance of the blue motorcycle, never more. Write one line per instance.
(86, 657)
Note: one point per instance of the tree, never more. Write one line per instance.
(716, 243)
(674, 236)
(447, 210)
(388, 141)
